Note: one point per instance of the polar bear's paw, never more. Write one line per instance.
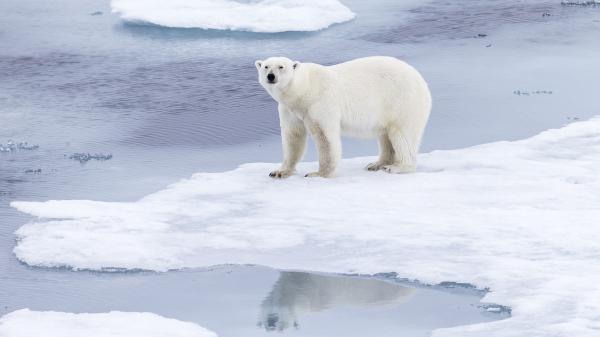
(280, 174)
(398, 169)
(320, 174)
(376, 166)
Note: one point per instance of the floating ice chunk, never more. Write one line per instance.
(85, 157)
(26, 323)
(495, 308)
(264, 16)
(590, 3)
(534, 92)
(11, 146)
(518, 217)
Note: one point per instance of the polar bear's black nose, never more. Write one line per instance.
(271, 77)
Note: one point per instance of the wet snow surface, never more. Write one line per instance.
(515, 215)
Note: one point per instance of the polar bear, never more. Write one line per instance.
(367, 97)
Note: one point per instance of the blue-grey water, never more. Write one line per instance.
(166, 103)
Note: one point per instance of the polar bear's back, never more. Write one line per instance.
(380, 91)
(380, 71)
(372, 63)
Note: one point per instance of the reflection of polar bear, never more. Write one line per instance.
(295, 293)
(370, 97)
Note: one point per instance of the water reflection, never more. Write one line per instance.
(297, 293)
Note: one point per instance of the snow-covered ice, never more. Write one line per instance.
(27, 323)
(518, 217)
(263, 16)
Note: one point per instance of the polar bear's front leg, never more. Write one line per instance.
(293, 141)
(329, 145)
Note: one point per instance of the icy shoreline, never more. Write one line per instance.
(517, 217)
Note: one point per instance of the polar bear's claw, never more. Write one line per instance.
(280, 174)
(312, 175)
(376, 166)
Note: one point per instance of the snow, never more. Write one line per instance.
(518, 217)
(27, 323)
(264, 16)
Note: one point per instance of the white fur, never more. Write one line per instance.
(376, 96)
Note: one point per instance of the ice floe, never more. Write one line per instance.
(591, 3)
(27, 323)
(518, 217)
(85, 157)
(264, 16)
(11, 146)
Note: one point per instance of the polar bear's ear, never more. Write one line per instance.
(258, 64)
(296, 64)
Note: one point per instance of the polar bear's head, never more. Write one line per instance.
(275, 72)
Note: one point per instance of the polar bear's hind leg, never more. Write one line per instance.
(405, 152)
(386, 154)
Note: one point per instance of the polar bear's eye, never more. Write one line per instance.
(266, 67)
(280, 67)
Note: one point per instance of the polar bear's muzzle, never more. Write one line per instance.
(271, 78)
